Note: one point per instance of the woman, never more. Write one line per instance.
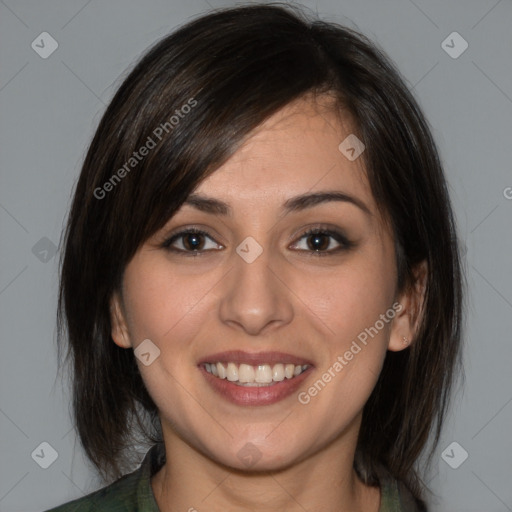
(261, 275)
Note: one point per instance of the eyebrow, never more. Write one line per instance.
(294, 204)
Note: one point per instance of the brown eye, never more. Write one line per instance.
(323, 242)
(193, 241)
(318, 242)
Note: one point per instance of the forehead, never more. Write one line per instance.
(293, 151)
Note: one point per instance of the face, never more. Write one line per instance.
(291, 290)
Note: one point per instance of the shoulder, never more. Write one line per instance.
(120, 495)
(130, 493)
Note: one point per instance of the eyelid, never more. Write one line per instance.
(319, 228)
(186, 228)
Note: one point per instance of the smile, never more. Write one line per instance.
(254, 376)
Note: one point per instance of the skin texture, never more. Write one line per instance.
(289, 299)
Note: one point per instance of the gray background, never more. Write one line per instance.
(49, 110)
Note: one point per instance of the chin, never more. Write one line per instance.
(251, 458)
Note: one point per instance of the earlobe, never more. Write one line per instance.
(407, 321)
(119, 330)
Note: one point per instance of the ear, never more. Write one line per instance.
(119, 329)
(407, 320)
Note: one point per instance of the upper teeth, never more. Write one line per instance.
(254, 375)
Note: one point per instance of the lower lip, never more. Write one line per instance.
(255, 395)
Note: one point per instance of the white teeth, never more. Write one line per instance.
(221, 371)
(263, 374)
(248, 375)
(278, 372)
(232, 372)
(288, 371)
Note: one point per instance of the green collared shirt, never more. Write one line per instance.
(133, 492)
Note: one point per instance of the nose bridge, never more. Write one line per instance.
(253, 296)
(253, 265)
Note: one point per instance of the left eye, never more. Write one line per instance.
(321, 241)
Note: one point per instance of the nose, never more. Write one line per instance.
(255, 297)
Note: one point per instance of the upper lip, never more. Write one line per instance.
(254, 358)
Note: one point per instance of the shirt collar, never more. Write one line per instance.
(152, 462)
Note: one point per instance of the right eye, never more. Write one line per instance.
(191, 241)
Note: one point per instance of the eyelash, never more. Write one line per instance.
(345, 244)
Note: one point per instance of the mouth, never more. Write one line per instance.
(254, 378)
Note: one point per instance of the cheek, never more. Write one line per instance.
(163, 306)
(352, 298)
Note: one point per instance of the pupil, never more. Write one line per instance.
(317, 240)
(195, 238)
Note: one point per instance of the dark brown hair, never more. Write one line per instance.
(234, 68)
